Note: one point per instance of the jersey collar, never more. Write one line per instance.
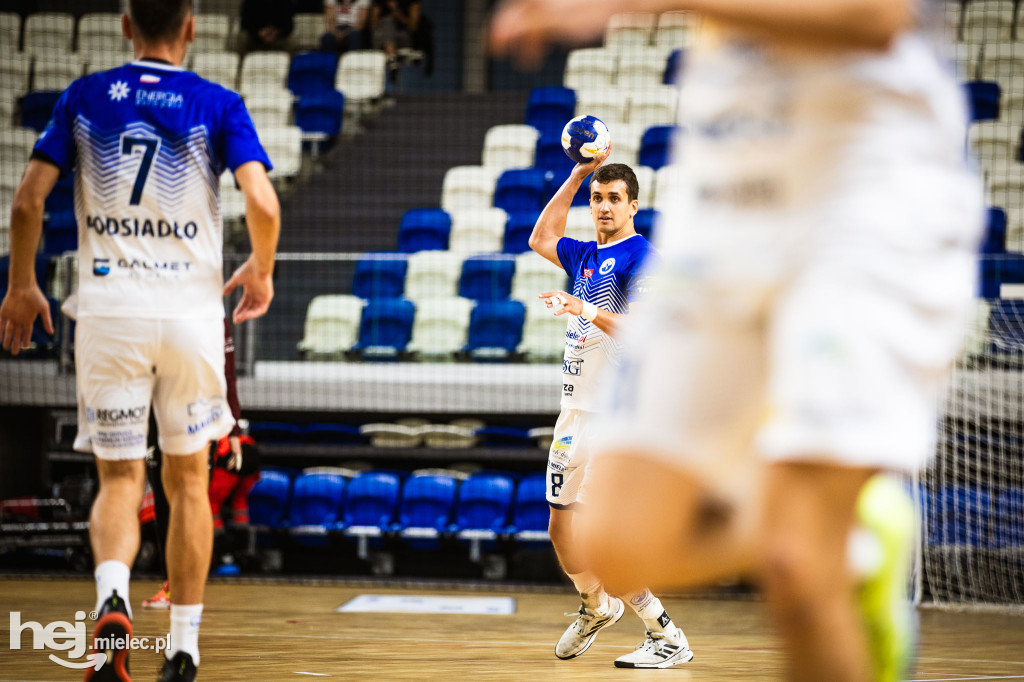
(617, 241)
(151, 63)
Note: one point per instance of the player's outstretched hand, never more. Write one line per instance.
(523, 29)
(560, 302)
(585, 169)
(17, 315)
(257, 291)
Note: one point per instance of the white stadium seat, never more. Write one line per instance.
(440, 326)
(284, 147)
(592, 67)
(579, 224)
(101, 32)
(995, 140)
(647, 179)
(625, 143)
(676, 29)
(467, 187)
(534, 275)
(642, 67)
(308, 29)
(1005, 184)
(48, 32)
(510, 146)
(361, 75)
(608, 104)
(477, 230)
(260, 69)
(15, 69)
(219, 67)
(966, 58)
(988, 21)
(653, 106)
(1003, 63)
(332, 325)
(55, 71)
(666, 180)
(433, 274)
(10, 32)
(1011, 106)
(104, 61)
(543, 333)
(630, 30)
(273, 108)
(213, 32)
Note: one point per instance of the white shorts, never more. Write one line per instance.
(836, 353)
(568, 458)
(124, 365)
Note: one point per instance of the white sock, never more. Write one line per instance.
(593, 595)
(112, 575)
(185, 621)
(651, 612)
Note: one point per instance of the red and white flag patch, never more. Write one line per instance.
(149, 78)
(588, 273)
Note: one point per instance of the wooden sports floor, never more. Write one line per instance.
(292, 632)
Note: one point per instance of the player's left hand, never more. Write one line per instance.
(257, 291)
(17, 315)
(235, 463)
(523, 29)
(560, 302)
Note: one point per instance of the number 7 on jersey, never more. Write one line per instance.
(150, 145)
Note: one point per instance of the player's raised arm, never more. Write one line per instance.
(524, 28)
(263, 220)
(24, 299)
(550, 225)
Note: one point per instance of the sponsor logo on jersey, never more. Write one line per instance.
(607, 266)
(588, 273)
(559, 456)
(101, 267)
(143, 264)
(134, 227)
(159, 99)
(573, 367)
(205, 412)
(118, 91)
(116, 416)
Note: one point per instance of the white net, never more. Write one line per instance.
(972, 496)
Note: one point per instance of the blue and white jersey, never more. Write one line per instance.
(149, 142)
(609, 276)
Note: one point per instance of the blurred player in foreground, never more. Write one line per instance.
(607, 280)
(817, 275)
(148, 142)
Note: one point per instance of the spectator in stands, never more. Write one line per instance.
(345, 21)
(394, 24)
(266, 25)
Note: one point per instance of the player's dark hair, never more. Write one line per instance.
(158, 19)
(618, 171)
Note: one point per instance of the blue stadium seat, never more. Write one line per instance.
(550, 157)
(1008, 522)
(37, 108)
(482, 510)
(62, 196)
(959, 515)
(995, 232)
(674, 66)
(321, 114)
(425, 510)
(385, 327)
(60, 233)
(312, 73)
(530, 511)
(370, 508)
(315, 507)
(333, 434)
(520, 189)
(550, 108)
(645, 221)
(556, 177)
(268, 499)
(485, 278)
(504, 436)
(379, 277)
(277, 432)
(495, 329)
(42, 272)
(518, 229)
(424, 229)
(656, 145)
(983, 97)
(1000, 269)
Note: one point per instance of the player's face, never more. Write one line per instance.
(610, 206)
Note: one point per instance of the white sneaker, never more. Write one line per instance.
(658, 650)
(584, 629)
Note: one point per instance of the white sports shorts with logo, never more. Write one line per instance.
(126, 364)
(568, 458)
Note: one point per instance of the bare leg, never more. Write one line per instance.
(190, 531)
(698, 538)
(114, 521)
(809, 511)
(560, 528)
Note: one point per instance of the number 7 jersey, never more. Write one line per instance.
(148, 142)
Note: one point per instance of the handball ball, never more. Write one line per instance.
(584, 137)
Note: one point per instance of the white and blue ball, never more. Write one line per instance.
(584, 137)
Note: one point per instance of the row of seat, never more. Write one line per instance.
(101, 31)
(992, 61)
(338, 325)
(406, 433)
(420, 510)
(668, 30)
(959, 515)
